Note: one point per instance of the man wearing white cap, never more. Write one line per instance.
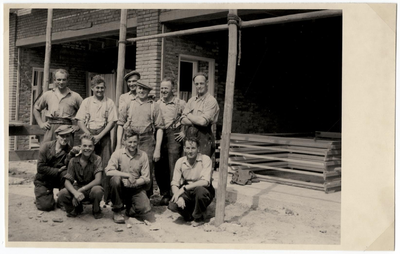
(143, 116)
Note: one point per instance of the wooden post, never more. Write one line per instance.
(46, 72)
(121, 67)
(227, 122)
(121, 56)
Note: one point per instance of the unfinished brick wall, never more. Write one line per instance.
(148, 52)
(76, 62)
(34, 24)
(12, 75)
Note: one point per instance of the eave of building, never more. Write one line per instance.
(73, 35)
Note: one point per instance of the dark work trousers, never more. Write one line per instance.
(44, 191)
(205, 136)
(147, 143)
(103, 149)
(49, 135)
(196, 202)
(135, 199)
(94, 195)
(171, 151)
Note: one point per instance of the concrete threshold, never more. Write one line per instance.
(265, 195)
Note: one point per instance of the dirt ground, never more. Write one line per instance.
(275, 225)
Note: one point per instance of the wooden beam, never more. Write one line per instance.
(273, 148)
(107, 29)
(121, 56)
(27, 129)
(285, 181)
(322, 134)
(176, 15)
(47, 56)
(246, 24)
(265, 166)
(23, 155)
(227, 121)
(276, 158)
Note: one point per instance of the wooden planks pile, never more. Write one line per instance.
(313, 163)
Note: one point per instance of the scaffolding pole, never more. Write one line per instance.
(47, 56)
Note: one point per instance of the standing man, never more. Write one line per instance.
(200, 113)
(130, 78)
(82, 181)
(97, 116)
(171, 150)
(143, 116)
(130, 178)
(191, 184)
(61, 103)
(51, 167)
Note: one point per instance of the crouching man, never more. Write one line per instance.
(51, 167)
(82, 181)
(191, 184)
(130, 179)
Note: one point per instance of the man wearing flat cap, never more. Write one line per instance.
(61, 103)
(131, 79)
(51, 167)
(143, 116)
(199, 114)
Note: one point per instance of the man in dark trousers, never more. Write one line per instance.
(191, 184)
(82, 180)
(174, 133)
(51, 167)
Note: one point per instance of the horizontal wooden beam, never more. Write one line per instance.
(246, 24)
(322, 134)
(176, 15)
(23, 155)
(111, 28)
(17, 129)
(277, 158)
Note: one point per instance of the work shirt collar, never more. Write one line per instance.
(202, 98)
(149, 100)
(198, 158)
(95, 100)
(172, 101)
(56, 88)
(129, 155)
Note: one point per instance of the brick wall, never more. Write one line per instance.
(34, 24)
(12, 75)
(76, 61)
(148, 52)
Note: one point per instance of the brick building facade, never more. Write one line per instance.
(288, 80)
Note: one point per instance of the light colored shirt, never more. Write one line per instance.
(125, 99)
(137, 165)
(205, 106)
(141, 116)
(97, 114)
(65, 107)
(184, 173)
(171, 111)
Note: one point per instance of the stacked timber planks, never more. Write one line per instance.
(313, 163)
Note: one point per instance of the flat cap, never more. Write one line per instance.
(144, 84)
(134, 72)
(64, 129)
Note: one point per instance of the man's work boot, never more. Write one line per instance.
(118, 218)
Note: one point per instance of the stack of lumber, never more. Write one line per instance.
(313, 162)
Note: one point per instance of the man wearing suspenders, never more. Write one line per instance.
(97, 116)
(171, 150)
(143, 116)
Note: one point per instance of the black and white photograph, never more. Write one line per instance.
(180, 126)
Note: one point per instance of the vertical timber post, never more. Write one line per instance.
(227, 120)
(47, 56)
(121, 64)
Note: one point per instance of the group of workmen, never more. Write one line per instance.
(151, 136)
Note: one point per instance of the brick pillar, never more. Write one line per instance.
(13, 65)
(148, 52)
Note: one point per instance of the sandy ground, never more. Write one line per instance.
(243, 224)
